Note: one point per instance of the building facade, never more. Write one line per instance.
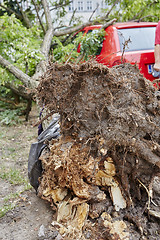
(84, 8)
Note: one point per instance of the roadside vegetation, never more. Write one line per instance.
(16, 137)
(15, 178)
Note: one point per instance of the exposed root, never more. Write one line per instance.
(110, 140)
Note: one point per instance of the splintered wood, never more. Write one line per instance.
(96, 174)
(72, 179)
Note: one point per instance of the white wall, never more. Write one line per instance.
(84, 9)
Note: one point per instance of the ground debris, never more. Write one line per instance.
(109, 149)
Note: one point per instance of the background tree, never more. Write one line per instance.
(135, 10)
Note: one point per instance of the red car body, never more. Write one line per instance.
(140, 49)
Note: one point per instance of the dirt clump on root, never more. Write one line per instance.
(103, 173)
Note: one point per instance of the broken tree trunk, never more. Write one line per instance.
(108, 155)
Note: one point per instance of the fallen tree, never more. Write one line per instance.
(25, 55)
(102, 174)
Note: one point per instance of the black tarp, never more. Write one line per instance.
(34, 164)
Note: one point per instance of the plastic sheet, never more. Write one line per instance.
(34, 164)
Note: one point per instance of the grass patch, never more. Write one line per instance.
(14, 176)
(6, 207)
(12, 150)
(11, 196)
(10, 200)
(2, 135)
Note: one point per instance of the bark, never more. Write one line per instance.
(79, 27)
(47, 14)
(20, 90)
(26, 80)
(47, 42)
(108, 23)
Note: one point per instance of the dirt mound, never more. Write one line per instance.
(101, 173)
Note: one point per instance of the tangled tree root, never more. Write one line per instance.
(103, 167)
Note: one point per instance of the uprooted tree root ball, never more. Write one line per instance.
(103, 171)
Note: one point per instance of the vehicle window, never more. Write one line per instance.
(139, 38)
(100, 48)
(89, 31)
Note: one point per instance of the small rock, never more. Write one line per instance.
(156, 184)
(59, 237)
(41, 232)
(52, 234)
(87, 235)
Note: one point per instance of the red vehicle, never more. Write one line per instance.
(139, 49)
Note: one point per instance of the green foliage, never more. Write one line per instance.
(5, 208)
(10, 117)
(4, 92)
(19, 45)
(59, 10)
(62, 53)
(126, 10)
(10, 4)
(89, 46)
(91, 43)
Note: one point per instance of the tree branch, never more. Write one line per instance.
(45, 48)
(7, 101)
(114, 4)
(49, 34)
(25, 79)
(94, 12)
(20, 90)
(47, 14)
(39, 18)
(60, 5)
(72, 16)
(32, 82)
(141, 19)
(11, 11)
(79, 27)
(25, 18)
(108, 23)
